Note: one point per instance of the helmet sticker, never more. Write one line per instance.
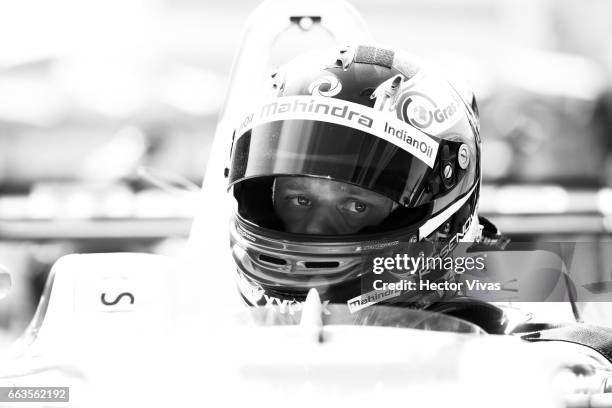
(428, 106)
(345, 113)
(423, 112)
(330, 82)
(371, 298)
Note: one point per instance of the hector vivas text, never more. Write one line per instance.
(412, 272)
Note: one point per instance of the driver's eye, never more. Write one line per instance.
(300, 201)
(355, 206)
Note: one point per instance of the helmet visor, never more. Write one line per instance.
(333, 151)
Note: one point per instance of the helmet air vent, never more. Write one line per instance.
(322, 265)
(272, 260)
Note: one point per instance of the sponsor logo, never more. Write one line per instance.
(115, 294)
(255, 294)
(291, 306)
(117, 298)
(448, 248)
(367, 299)
(344, 113)
(327, 86)
(321, 108)
(452, 244)
(401, 134)
(423, 112)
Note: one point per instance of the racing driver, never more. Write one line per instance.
(352, 154)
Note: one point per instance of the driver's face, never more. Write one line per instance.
(325, 207)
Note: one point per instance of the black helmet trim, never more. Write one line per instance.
(437, 220)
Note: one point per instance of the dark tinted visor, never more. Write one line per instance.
(322, 149)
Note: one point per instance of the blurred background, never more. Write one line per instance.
(108, 110)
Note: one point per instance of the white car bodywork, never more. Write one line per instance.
(156, 340)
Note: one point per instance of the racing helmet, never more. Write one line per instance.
(365, 118)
